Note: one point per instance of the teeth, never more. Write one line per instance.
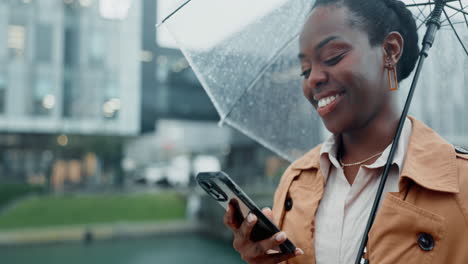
(327, 100)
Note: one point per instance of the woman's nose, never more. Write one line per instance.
(317, 78)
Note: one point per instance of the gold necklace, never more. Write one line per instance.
(359, 162)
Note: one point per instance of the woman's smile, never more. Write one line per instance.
(329, 103)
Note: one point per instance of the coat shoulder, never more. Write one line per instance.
(308, 160)
(462, 167)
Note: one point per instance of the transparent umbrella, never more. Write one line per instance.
(244, 53)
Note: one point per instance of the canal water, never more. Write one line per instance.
(190, 249)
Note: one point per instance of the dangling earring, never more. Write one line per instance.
(392, 76)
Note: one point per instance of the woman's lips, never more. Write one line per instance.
(328, 104)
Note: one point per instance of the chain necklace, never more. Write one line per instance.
(359, 162)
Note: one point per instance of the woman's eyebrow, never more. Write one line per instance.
(319, 46)
(301, 56)
(325, 42)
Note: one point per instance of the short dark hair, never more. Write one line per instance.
(380, 17)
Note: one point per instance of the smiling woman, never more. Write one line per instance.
(353, 54)
(340, 60)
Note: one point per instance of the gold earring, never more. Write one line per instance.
(392, 76)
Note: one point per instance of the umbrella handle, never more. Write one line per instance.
(433, 25)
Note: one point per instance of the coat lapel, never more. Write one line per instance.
(430, 161)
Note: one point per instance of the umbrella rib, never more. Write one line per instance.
(464, 15)
(456, 33)
(420, 10)
(453, 23)
(420, 4)
(259, 75)
(457, 9)
(454, 14)
(429, 3)
(173, 12)
(424, 22)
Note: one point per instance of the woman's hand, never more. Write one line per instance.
(261, 252)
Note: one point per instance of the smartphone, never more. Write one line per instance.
(224, 190)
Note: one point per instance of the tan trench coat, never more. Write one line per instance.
(425, 222)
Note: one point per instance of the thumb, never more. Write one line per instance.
(268, 213)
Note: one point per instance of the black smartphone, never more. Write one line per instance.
(224, 190)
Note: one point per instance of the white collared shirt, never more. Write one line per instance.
(344, 209)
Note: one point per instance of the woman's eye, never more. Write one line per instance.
(334, 60)
(306, 74)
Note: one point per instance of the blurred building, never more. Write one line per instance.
(70, 73)
(178, 118)
(170, 89)
(69, 69)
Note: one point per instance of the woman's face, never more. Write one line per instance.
(343, 74)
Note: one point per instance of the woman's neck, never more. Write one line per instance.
(371, 138)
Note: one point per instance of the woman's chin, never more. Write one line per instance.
(335, 126)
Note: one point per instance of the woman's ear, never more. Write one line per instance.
(393, 47)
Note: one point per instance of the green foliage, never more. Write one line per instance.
(82, 210)
(12, 191)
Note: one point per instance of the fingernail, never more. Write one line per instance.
(280, 237)
(228, 209)
(251, 218)
(299, 252)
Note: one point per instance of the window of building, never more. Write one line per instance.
(43, 96)
(111, 105)
(69, 97)
(3, 88)
(3, 39)
(16, 40)
(97, 49)
(44, 43)
(72, 47)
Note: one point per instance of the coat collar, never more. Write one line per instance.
(430, 161)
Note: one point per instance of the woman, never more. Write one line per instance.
(353, 53)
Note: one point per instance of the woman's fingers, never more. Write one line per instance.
(236, 214)
(269, 256)
(268, 213)
(261, 252)
(265, 251)
(247, 226)
(272, 243)
(233, 217)
(278, 258)
(242, 235)
(228, 218)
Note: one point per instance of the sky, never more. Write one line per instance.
(221, 18)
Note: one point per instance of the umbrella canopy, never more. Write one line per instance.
(245, 55)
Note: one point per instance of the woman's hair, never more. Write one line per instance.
(380, 17)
